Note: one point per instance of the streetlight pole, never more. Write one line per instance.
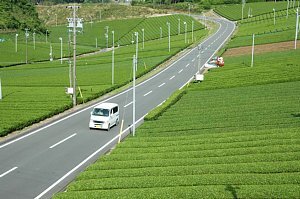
(189, 9)
(160, 32)
(55, 19)
(252, 57)
(297, 28)
(106, 35)
(169, 37)
(143, 30)
(46, 36)
(113, 57)
(61, 52)
(17, 42)
(185, 29)
(136, 48)
(192, 31)
(178, 26)
(287, 8)
(133, 95)
(33, 39)
(26, 36)
(274, 16)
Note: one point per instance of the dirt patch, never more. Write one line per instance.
(258, 49)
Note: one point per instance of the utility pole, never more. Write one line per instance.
(74, 23)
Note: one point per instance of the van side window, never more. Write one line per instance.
(115, 109)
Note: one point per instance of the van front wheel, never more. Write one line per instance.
(108, 128)
(117, 122)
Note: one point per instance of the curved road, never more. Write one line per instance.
(44, 161)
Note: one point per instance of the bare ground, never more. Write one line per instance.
(246, 50)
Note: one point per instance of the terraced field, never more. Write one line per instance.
(236, 135)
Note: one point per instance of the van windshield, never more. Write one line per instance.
(100, 112)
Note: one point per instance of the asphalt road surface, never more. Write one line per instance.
(44, 161)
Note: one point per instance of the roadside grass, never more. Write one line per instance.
(38, 89)
(90, 40)
(233, 135)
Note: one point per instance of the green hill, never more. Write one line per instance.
(19, 14)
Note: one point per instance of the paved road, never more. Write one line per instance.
(42, 162)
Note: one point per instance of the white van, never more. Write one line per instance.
(104, 116)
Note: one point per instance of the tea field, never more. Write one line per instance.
(36, 91)
(234, 11)
(91, 39)
(235, 135)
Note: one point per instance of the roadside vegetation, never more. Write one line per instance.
(234, 135)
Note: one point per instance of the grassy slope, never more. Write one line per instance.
(237, 135)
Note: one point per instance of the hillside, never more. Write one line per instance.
(19, 15)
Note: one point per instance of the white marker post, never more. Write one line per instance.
(252, 50)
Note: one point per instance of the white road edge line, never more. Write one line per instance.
(161, 85)
(84, 161)
(128, 104)
(172, 77)
(180, 71)
(7, 172)
(147, 93)
(58, 143)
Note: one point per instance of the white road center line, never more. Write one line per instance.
(7, 172)
(187, 65)
(51, 147)
(161, 85)
(128, 104)
(180, 71)
(172, 77)
(148, 93)
(193, 60)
